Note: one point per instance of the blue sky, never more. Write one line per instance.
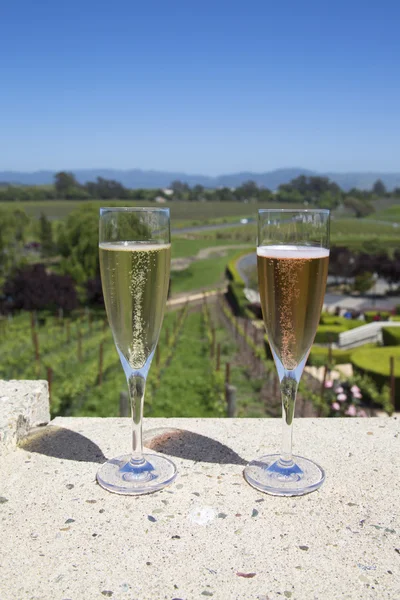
(203, 87)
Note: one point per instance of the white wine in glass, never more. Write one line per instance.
(292, 261)
(135, 256)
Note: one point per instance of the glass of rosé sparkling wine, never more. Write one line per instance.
(292, 263)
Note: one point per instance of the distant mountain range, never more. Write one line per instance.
(137, 178)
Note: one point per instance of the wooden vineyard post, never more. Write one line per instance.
(32, 322)
(158, 355)
(60, 314)
(101, 363)
(124, 404)
(35, 340)
(230, 394)
(50, 380)
(79, 345)
(212, 345)
(227, 373)
(392, 381)
(218, 364)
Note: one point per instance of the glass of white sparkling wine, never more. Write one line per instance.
(292, 262)
(135, 256)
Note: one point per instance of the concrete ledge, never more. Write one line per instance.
(208, 535)
(23, 405)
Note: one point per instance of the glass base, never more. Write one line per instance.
(122, 475)
(272, 475)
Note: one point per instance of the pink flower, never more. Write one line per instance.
(341, 397)
(361, 413)
(351, 411)
(355, 389)
(336, 406)
(329, 383)
(339, 390)
(357, 395)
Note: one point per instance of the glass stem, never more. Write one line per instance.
(288, 385)
(137, 385)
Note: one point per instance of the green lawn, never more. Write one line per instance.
(207, 273)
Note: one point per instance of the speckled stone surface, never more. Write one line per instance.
(23, 405)
(209, 535)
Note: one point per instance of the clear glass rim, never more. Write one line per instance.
(294, 210)
(132, 209)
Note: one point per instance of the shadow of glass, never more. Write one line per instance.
(192, 446)
(63, 443)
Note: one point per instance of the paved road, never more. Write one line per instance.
(198, 228)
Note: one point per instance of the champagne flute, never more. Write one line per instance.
(292, 262)
(135, 256)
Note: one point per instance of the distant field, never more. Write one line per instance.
(180, 211)
(390, 213)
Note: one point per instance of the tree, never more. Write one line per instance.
(196, 193)
(247, 191)
(180, 189)
(64, 181)
(78, 240)
(360, 208)
(13, 226)
(379, 188)
(106, 189)
(46, 235)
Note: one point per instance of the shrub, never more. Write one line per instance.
(328, 334)
(371, 314)
(319, 355)
(33, 288)
(375, 363)
(391, 336)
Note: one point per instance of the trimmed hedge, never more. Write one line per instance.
(374, 362)
(235, 295)
(319, 356)
(231, 270)
(391, 336)
(328, 334)
(370, 314)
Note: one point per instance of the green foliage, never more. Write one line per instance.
(370, 315)
(188, 386)
(391, 336)
(13, 228)
(46, 235)
(319, 356)
(375, 363)
(379, 188)
(329, 334)
(371, 393)
(363, 282)
(78, 242)
(360, 208)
